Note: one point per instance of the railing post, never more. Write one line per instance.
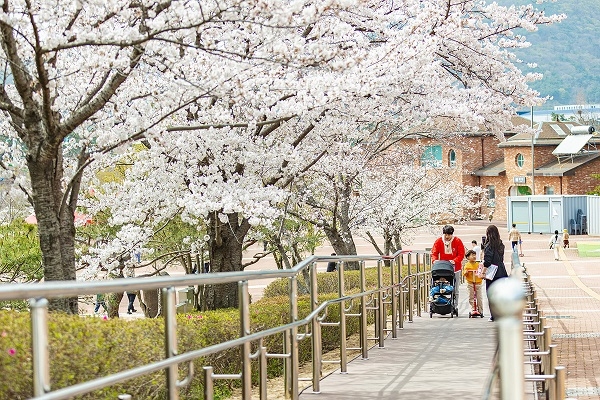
(209, 389)
(364, 346)
(380, 307)
(507, 301)
(39, 345)
(411, 294)
(244, 303)
(170, 312)
(401, 303)
(418, 289)
(393, 281)
(317, 356)
(342, 289)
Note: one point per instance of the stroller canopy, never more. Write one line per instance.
(442, 268)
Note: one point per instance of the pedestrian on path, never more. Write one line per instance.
(100, 302)
(449, 248)
(476, 249)
(473, 282)
(514, 236)
(554, 243)
(493, 254)
(565, 238)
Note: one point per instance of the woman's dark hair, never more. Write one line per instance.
(448, 230)
(492, 238)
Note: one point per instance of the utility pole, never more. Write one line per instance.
(532, 157)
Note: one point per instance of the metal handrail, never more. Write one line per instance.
(510, 298)
(38, 293)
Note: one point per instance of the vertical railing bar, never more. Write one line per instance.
(380, 306)
(364, 346)
(342, 305)
(244, 306)
(39, 345)
(317, 356)
(410, 289)
(418, 289)
(170, 311)
(294, 337)
(209, 389)
(393, 281)
(263, 371)
(507, 300)
(401, 305)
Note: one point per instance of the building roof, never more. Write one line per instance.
(556, 168)
(495, 168)
(547, 133)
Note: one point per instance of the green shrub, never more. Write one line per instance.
(85, 348)
(327, 282)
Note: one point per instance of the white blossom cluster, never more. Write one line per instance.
(238, 98)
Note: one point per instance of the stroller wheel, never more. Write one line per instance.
(470, 315)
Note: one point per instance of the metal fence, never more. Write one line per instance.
(391, 304)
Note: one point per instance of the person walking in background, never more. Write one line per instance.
(332, 265)
(130, 273)
(554, 243)
(100, 302)
(450, 248)
(493, 254)
(565, 238)
(475, 247)
(514, 236)
(473, 282)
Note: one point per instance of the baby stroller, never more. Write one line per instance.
(441, 295)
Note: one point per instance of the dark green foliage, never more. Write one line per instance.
(328, 282)
(84, 348)
(566, 53)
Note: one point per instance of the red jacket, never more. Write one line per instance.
(458, 252)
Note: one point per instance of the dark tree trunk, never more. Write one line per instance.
(342, 246)
(56, 228)
(226, 246)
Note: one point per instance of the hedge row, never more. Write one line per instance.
(84, 348)
(328, 282)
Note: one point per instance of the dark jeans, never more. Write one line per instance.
(98, 304)
(131, 297)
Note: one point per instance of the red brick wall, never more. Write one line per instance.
(582, 182)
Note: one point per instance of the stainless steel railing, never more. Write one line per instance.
(402, 297)
(523, 340)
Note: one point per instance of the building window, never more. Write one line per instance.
(548, 189)
(452, 159)
(520, 191)
(520, 160)
(432, 157)
(491, 195)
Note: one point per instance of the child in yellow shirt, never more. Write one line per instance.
(469, 272)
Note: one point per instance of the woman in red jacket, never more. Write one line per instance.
(450, 248)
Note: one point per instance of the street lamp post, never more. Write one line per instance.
(532, 157)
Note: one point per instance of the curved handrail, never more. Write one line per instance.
(38, 293)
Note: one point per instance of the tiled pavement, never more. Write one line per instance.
(444, 357)
(568, 292)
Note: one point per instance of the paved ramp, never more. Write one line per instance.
(439, 357)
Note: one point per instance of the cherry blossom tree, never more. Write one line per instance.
(232, 99)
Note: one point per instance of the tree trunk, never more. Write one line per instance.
(56, 229)
(342, 246)
(226, 246)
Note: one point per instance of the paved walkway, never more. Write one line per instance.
(444, 357)
(439, 357)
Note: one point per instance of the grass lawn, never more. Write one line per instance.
(589, 249)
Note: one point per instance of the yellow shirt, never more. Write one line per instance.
(470, 276)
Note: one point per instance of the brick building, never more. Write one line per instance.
(504, 167)
(511, 175)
